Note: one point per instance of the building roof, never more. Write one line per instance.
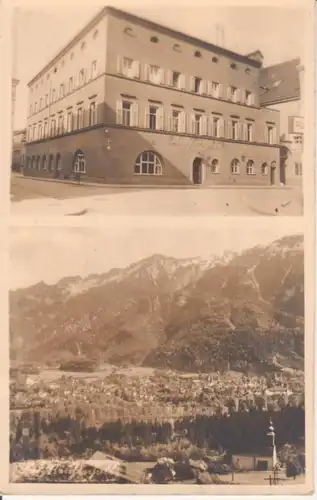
(280, 83)
(152, 25)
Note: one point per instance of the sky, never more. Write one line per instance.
(41, 30)
(50, 253)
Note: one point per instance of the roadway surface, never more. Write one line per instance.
(32, 197)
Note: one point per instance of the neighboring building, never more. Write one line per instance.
(15, 82)
(281, 90)
(131, 101)
(18, 150)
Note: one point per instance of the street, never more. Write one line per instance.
(41, 197)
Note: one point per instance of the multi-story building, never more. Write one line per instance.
(131, 101)
(280, 89)
(15, 82)
(18, 150)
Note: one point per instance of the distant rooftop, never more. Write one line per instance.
(280, 82)
(155, 26)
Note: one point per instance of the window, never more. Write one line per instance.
(35, 107)
(69, 121)
(215, 126)
(264, 169)
(128, 67)
(197, 124)
(248, 98)
(45, 129)
(44, 163)
(198, 85)
(233, 66)
(58, 163)
(235, 167)
(270, 134)
(31, 109)
(197, 53)
(154, 39)
(298, 169)
(60, 124)
(214, 59)
(38, 164)
(249, 129)
(250, 170)
(152, 123)
(40, 131)
(215, 87)
(61, 91)
(155, 74)
(80, 117)
(50, 163)
(53, 95)
(126, 113)
(33, 162)
(248, 71)
(148, 163)
(94, 69)
(46, 99)
(214, 166)
(175, 120)
(71, 84)
(34, 132)
(82, 76)
(234, 130)
(176, 79)
(41, 103)
(92, 114)
(177, 47)
(232, 94)
(128, 31)
(79, 163)
(53, 127)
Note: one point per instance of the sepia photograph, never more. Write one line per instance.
(143, 110)
(157, 356)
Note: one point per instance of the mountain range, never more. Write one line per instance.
(240, 312)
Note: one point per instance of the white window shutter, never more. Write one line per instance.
(146, 118)
(222, 128)
(238, 95)
(182, 82)
(135, 115)
(205, 87)
(274, 135)
(204, 125)
(245, 131)
(162, 81)
(182, 122)
(192, 123)
(192, 84)
(160, 124)
(209, 88)
(119, 113)
(243, 96)
(136, 69)
(266, 136)
(229, 129)
(170, 77)
(146, 72)
(220, 91)
(119, 65)
(169, 122)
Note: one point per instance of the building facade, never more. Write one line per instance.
(131, 101)
(281, 90)
(18, 150)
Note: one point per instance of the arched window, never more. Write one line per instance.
(235, 166)
(79, 163)
(250, 170)
(264, 169)
(38, 165)
(44, 163)
(50, 163)
(197, 53)
(215, 166)
(148, 163)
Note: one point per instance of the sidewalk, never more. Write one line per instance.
(149, 186)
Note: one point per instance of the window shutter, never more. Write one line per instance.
(135, 115)
(169, 122)
(238, 95)
(146, 118)
(274, 136)
(160, 123)
(146, 72)
(170, 77)
(192, 84)
(204, 125)
(266, 136)
(119, 113)
(229, 129)
(245, 131)
(162, 76)
(182, 122)
(136, 69)
(204, 87)
(192, 123)
(243, 96)
(182, 82)
(119, 65)
(209, 88)
(221, 128)
(220, 91)
(228, 93)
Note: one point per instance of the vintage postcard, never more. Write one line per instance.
(158, 247)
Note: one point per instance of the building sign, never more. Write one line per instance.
(296, 125)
